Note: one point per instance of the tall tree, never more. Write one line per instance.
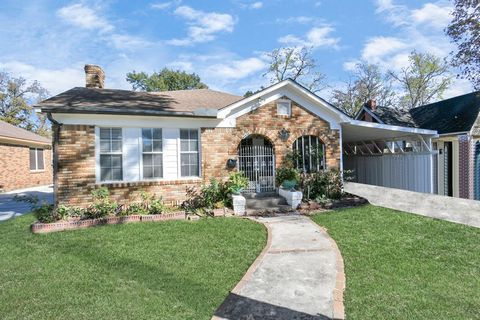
(297, 64)
(165, 80)
(16, 97)
(425, 79)
(464, 31)
(366, 82)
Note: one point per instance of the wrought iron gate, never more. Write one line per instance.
(258, 165)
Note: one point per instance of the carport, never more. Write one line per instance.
(389, 156)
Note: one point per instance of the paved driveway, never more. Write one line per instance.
(299, 275)
(10, 208)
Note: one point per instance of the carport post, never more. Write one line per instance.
(430, 148)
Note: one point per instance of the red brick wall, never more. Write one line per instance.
(76, 149)
(220, 144)
(15, 168)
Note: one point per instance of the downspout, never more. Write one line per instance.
(56, 136)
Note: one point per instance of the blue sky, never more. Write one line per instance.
(223, 41)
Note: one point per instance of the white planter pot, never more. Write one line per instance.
(293, 198)
(239, 204)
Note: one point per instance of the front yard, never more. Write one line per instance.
(169, 270)
(403, 266)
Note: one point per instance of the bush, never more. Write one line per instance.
(136, 208)
(323, 184)
(44, 213)
(236, 183)
(287, 174)
(157, 206)
(102, 205)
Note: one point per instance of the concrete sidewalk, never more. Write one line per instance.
(10, 208)
(457, 210)
(299, 275)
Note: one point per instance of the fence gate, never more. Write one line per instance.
(258, 165)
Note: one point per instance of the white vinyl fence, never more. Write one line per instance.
(408, 171)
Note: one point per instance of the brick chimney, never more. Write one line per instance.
(372, 104)
(94, 76)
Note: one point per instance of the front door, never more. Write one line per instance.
(256, 160)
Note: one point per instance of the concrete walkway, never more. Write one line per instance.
(457, 210)
(299, 275)
(10, 208)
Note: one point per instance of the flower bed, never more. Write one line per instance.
(74, 224)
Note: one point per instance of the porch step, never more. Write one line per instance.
(266, 203)
(262, 195)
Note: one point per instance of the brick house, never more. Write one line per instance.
(25, 158)
(457, 121)
(162, 142)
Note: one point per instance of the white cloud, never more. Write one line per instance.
(299, 19)
(433, 14)
(378, 47)
(203, 25)
(84, 17)
(316, 37)
(164, 5)
(236, 69)
(256, 5)
(125, 41)
(350, 65)
(54, 80)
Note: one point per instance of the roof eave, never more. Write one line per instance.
(130, 112)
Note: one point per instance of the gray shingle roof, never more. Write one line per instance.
(10, 131)
(458, 114)
(113, 101)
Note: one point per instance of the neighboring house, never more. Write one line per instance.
(25, 158)
(163, 142)
(457, 122)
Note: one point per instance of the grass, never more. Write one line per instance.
(168, 270)
(403, 266)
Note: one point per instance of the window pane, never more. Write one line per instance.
(146, 134)
(147, 160)
(104, 133)
(157, 134)
(193, 134)
(116, 146)
(33, 165)
(117, 133)
(116, 161)
(147, 172)
(104, 145)
(116, 174)
(40, 164)
(105, 174)
(184, 159)
(105, 161)
(157, 172)
(184, 145)
(147, 145)
(184, 134)
(157, 145)
(193, 145)
(157, 160)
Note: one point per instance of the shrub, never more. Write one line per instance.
(193, 202)
(287, 174)
(63, 212)
(136, 208)
(157, 206)
(211, 194)
(236, 183)
(44, 213)
(102, 205)
(323, 184)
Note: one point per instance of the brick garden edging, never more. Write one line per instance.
(39, 227)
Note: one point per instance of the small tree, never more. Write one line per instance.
(297, 64)
(425, 78)
(16, 97)
(367, 82)
(165, 80)
(464, 31)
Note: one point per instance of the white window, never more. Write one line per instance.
(111, 154)
(284, 108)
(189, 155)
(36, 159)
(152, 153)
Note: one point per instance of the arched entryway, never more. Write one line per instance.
(256, 159)
(309, 154)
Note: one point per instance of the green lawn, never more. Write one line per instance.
(168, 270)
(403, 266)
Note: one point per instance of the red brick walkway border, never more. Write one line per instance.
(338, 306)
(39, 227)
